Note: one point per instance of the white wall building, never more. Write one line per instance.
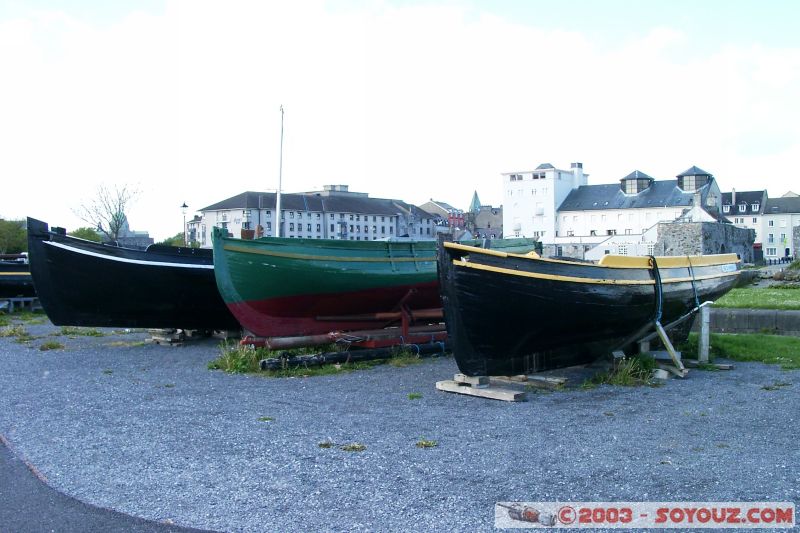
(333, 213)
(781, 216)
(531, 198)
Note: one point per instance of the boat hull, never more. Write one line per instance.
(292, 287)
(15, 280)
(81, 283)
(513, 315)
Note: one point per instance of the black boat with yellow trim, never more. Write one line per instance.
(15, 277)
(510, 314)
(85, 283)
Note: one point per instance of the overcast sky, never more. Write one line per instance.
(401, 99)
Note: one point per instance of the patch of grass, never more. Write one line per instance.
(630, 372)
(771, 349)
(119, 344)
(107, 371)
(414, 395)
(72, 331)
(353, 447)
(265, 419)
(423, 443)
(247, 359)
(4, 320)
(237, 359)
(326, 444)
(13, 331)
(31, 317)
(51, 345)
(761, 298)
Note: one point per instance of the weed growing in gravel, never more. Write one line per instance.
(130, 344)
(423, 443)
(246, 359)
(51, 345)
(630, 372)
(414, 396)
(326, 444)
(353, 447)
(31, 317)
(237, 359)
(265, 419)
(72, 331)
(107, 371)
(13, 331)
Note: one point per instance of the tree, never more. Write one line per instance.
(13, 237)
(177, 240)
(106, 211)
(86, 233)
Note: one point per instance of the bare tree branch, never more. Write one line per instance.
(106, 212)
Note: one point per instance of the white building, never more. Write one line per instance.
(531, 199)
(781, 216)
(333, 213)
(588, 221)
(746, 209)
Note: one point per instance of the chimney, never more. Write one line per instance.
(577, 173)
(733, 196)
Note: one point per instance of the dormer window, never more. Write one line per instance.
(755, 207)
(742, 208)
(726, 209)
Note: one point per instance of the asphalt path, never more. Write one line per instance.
(28, 504)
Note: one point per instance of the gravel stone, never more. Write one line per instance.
(149, 431)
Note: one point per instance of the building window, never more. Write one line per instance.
(358, 218)
(374, 229)
(570, 233)
(772, 251)
(319, 228)
(627, 231)
(593, 232)
(783, 237)
(771, 223)
(309, 227)
(351, 228)
(742, 208)
(291, 214)
(622, 249)
(755, 207)
(333, 228)
(770, 238)
(611, 232)
(268, 214)
(269, 226)
(291, 225)
(726, 209)
(755, 220)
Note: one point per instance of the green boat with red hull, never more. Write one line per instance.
(280, 287)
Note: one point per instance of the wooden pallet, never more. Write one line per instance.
(531, 380)
(479, 386)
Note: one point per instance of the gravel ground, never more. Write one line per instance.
(148, 430)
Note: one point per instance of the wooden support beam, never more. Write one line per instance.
(494, 393)
(694, 363)
(705, 333)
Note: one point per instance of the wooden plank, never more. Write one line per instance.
(475, 381)
(493, 393)
(679, 372)
(541, 382)
(694, 363)
(705, 328)
(668, 345)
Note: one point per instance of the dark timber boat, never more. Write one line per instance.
(511, 314)
(84, 283)
(15, 277)
(279, 287)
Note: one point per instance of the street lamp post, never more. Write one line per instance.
(184, 207)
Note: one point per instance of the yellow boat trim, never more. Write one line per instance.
(287, 255)
(615, 261)
(678, 261)
(574, 279)
(23, 273)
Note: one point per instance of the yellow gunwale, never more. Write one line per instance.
(574, 279)
(343, 259)
(23, 273)
(615, 261)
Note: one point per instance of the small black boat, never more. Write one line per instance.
(15, 277)
(511, 314)
(85, 283)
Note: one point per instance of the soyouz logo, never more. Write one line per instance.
(654, 515)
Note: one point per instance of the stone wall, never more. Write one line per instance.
(699, 238)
